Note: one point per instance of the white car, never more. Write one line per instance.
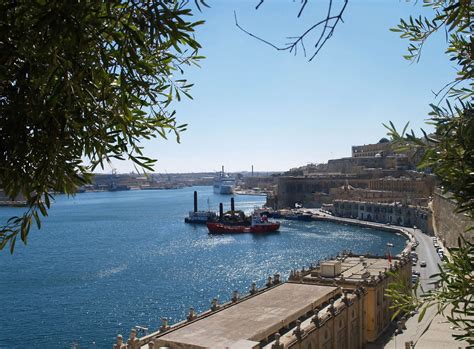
(422, 264)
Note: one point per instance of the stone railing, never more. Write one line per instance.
(320, 317)
(134, 342)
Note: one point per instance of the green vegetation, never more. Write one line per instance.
(82, 83)
(448, 153)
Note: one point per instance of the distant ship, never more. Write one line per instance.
(200, 217)
(224, 184)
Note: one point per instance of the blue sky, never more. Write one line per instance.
(256, 106)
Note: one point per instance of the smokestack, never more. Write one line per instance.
(195, 201)
(232, 205)
(221, 210)
(222, 169)
(252, 170)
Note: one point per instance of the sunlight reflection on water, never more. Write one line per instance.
(105, 262)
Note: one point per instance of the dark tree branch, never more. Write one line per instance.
(328, 24)
(302, 7)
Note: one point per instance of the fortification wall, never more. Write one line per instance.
(449, 225)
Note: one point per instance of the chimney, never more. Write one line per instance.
(195, 201)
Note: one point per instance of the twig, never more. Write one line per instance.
(330, 23)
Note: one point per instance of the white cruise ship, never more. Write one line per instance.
(224, 184)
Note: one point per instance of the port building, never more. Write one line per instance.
(339, 303)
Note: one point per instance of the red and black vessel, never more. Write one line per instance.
(259, 225)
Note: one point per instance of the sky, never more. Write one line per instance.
(253, 105)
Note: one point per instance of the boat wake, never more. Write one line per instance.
(214, 241)
(111, 271)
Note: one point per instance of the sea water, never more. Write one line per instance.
(105, 262)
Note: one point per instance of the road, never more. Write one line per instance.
(426, 252)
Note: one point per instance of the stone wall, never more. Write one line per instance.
(449, 225)
(350, 193)
(267, 182)
(310, 191)
(339, 325)
(423, 186)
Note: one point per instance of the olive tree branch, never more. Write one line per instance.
(328, 24)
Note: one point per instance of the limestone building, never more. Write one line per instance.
(382, 148)
(336, 304)
(391, 213)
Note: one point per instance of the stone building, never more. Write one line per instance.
(382, 148)
(348, 192)
(361, 164)
(420, 186)
(379, 185)
(372, 274)
(448, 224)
(391, 213)
(312, 191)
(336, 304)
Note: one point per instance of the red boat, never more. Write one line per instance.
(259, 225)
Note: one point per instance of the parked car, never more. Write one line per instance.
(422, 264)
(416, 272)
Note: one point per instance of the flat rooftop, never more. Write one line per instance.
(246, 323)
(352, 268)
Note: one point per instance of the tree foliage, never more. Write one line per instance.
(448, 153)
(82, 83)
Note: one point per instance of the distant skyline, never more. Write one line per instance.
(256, 106)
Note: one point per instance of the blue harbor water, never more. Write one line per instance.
(105, 262)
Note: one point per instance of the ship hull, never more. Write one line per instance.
(223, 189)
(219, 228)
(200, 217)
